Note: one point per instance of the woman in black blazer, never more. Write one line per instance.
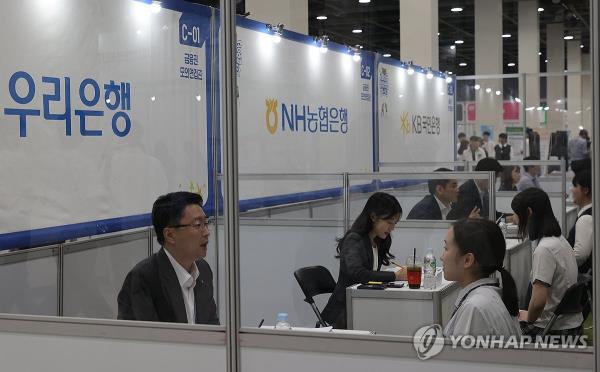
(368, 236)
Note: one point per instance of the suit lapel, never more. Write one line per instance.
(198, 293)
(171, 287)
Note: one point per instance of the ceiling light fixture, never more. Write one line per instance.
(506, 35)
(364, 1)
(488, 90)
(511, 64)
(456, 10)
(568, 37)
(429, 74)
(458, 42)
(540, 9)
(462, 64)
(276, 31)
(357, 31)
(322, 42)
(387, 55)
(321, 17)
(452, 47)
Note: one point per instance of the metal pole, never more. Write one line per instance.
(492, 196)
(60, 280)
(230, 180)
(346, 194)
(214, 78)
(594, 48)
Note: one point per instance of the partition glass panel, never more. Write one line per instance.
(281, 232)
(140, 119)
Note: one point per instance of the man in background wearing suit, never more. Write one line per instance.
(473, 199)
(436, 205)
(502, 149)
(175, 284)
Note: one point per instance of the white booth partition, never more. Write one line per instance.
(29, 281)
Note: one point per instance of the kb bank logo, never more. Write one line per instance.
(419, 124)
(296, 118)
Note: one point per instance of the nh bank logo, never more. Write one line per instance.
(301, 118)
(419, 124)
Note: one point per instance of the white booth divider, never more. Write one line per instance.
(94, 271)
(29, 281)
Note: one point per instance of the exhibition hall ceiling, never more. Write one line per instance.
(379, 22)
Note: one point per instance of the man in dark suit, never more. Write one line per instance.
(473, 198)
(436, 205)
(174, 284)
(502, 149)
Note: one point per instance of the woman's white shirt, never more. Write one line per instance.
(554, 264)
(481, 312)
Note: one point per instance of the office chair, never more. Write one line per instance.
(315, 280)
(572, 303)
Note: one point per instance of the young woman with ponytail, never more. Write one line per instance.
(474, 251)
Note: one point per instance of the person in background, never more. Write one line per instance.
(554, 268)
(175, 284)
(474, 250)
(474, 152)
(488, 145)
(510, 178)
(436, 205)
(461, 137)
(502, 149)
(473, 198)
(463, 146)
(577, 147)
(362, 250)
(529, 177)
(581, 234)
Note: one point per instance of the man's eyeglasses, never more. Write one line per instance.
(196, 225)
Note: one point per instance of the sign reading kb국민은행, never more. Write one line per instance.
(99, 114)
(416, 116)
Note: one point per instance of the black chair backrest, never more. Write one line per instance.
(571, 302)
(314, 280)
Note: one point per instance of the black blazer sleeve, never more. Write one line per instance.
(426, 209)
(135, 298)
(354, 262)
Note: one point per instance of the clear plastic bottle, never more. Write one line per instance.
(282, 321)
(502, 226)
(429, 267)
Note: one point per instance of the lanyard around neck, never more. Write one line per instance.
(468, 293)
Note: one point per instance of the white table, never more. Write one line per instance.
(400, 311)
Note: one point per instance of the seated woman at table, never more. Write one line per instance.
(362, 250)
(554, 268)
(510, 176)
(474, 250)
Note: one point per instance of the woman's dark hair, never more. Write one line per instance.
(383, 206)
(506, 181)
(584, 179)
(484, 239)
(541, 223)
